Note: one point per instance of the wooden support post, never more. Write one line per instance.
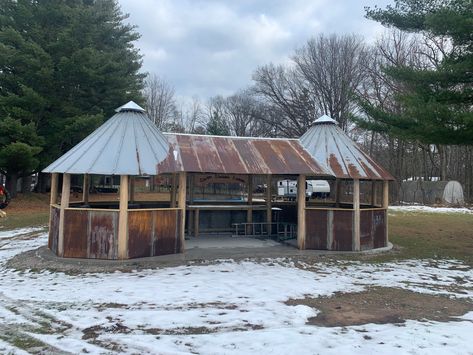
(356, 216)
(338, 188)
(190, 223)
(385, 194)
(123, 219)
(65, 196)
(132, 189)
(385, 206)
(53, 197)
(301, 212)
(249, 213)
(173, 190)
(54, 183)
(182, 206)
(373, 193)
(85, 189)
(196, 223)
(269, 211)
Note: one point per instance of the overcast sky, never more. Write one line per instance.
(208, 47)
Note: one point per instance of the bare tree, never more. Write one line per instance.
(333, 68)
(195, 118)
(160, 102)
(282, 88)
(246, 115)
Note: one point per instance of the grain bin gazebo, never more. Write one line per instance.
(357, 217)
(127, 145)
(130, 146)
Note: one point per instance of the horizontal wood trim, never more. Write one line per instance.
(91, 209)
(226, 207)
(153, 209)
(329, 208)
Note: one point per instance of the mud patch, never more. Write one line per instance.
(382, 305)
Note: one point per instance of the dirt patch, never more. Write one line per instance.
(382, 305)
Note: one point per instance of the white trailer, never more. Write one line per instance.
(313, 188)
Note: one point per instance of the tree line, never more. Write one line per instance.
(407, 98)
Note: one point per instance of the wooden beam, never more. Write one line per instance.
(269, 205)
(385, 194)
(65, 197)
(54, 188)
(373, 193)
(338, 188)
(53, 197)
(132, 189)
(173, 190)
(196, 223)
(356, 216)
(123, 218)
(385, 206)
(301, 232)
(182, 206)
(249, 213)
(190, 223)
(85, 189)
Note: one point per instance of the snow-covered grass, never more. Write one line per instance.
(223, 308)
(428, 209)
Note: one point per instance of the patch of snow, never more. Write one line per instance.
(228, 307)
(428, 209)
(6, 348)
(19, 243)
(19, 231)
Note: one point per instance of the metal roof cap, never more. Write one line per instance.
(130, 106)
(325, 119)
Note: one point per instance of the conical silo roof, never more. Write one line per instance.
(126, 144)
(329, 144)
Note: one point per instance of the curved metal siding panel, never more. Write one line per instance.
(328, 143)
(127, 144)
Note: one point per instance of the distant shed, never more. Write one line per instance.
(433, 192)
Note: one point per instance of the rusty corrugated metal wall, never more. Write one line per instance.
(328, 229)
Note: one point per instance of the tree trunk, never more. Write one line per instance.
(443, 161)
(26, 184)
(10, 184)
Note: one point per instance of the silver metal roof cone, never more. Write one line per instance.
(126, 144)
(329, 144)
(325, 119)
(130, 106)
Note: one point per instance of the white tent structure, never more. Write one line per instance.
(448, 193)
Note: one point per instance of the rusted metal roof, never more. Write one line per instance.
(127, 144)
(329, 144)
(237, 155)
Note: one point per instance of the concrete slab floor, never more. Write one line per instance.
(228, 242)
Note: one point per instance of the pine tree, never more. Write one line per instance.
(64, 66)
(436, 103)
(217, 125)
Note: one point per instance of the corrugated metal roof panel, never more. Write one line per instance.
(237, 155)
(127, 144)
(329, 144)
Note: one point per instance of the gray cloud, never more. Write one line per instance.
(205, 48)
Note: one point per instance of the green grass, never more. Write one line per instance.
(26, 220)
(430, 235)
